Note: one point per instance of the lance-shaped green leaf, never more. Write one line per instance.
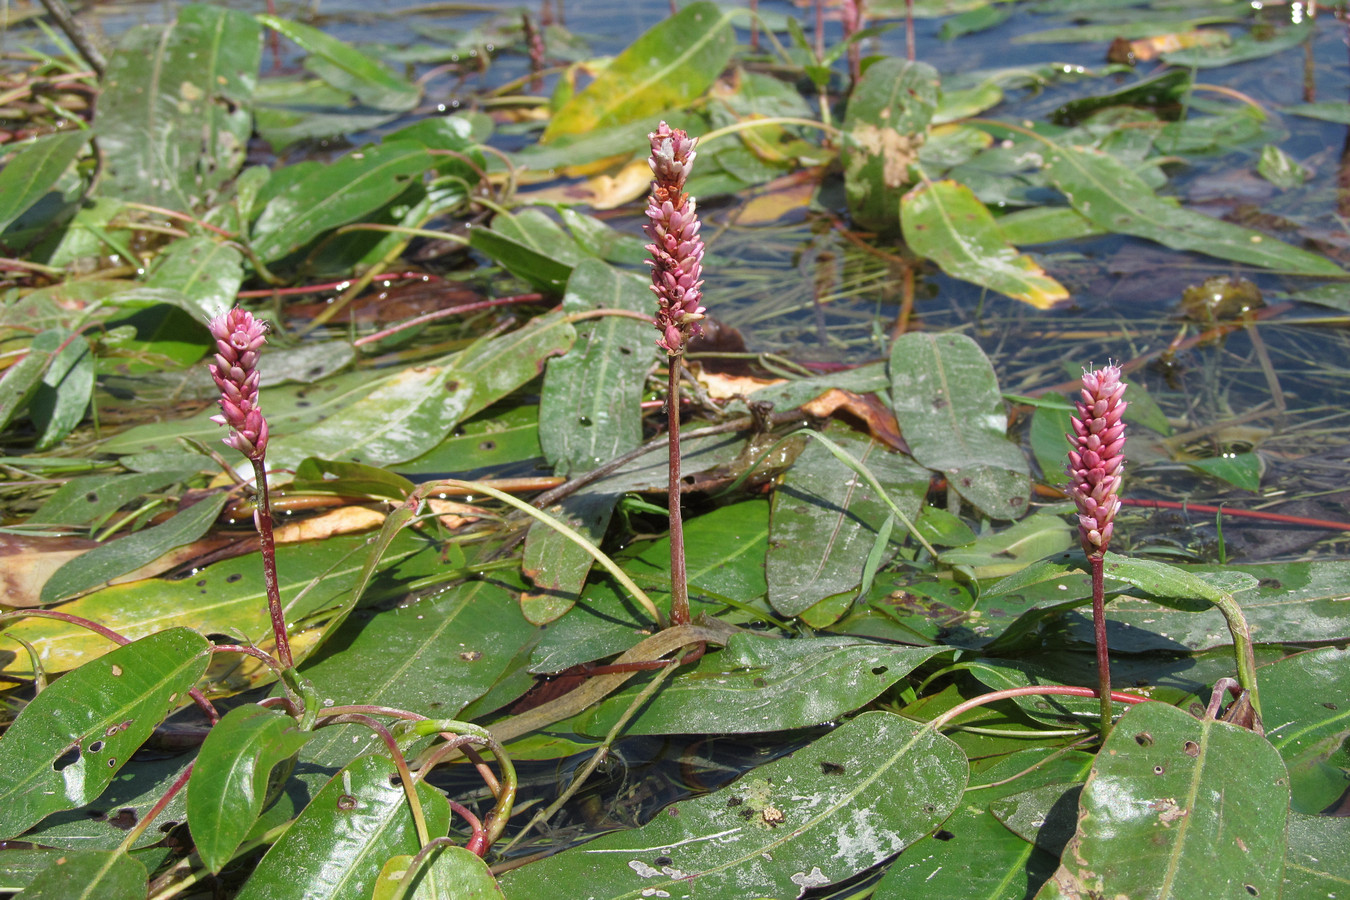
(413, 412)
(90, 874)
(172, 117)
(838, 806)
(338, 845)
(347, 68)
(1200, 803)
(1303, 706)
(453, 874)
(887, 122)
(946, 399)
(34, 170)
(669, 66)
(20, 381)
(206, 273)
(589, 412)
(761, 684)
(230, 780)
(105, 562)
(60, 401)
(1318, 861)
(1109, 193)
(71, 739)
(336, 194)
(974, 855)
(826, 518)
(945, 222)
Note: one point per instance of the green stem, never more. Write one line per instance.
(1242, 645)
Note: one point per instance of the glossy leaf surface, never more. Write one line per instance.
(867, 790)
(73, 737)
(90, 875)
(34, 170)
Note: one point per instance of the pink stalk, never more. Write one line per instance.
(239, 337)
(1095, 463)
(852, 13)
(677, 270)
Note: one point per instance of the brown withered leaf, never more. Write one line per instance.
(879, 420)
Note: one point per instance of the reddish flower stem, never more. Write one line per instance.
(1098, 564)
(263, 519)
(154, 811)
(679, 586)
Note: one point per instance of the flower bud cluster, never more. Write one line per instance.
(676, 248)
(1097, 457)
(239, 336)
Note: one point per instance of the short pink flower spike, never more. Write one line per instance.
(239, 336)
(1097, 457)
(676, 248)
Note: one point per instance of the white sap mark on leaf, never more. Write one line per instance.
(816, 878)
(643, 870)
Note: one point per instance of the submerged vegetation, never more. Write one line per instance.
(498, 591)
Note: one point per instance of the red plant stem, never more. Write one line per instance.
(263, 515)
(207, 708)
(1330, 524)
(404, 773)
(1098, 564)
(139, 829)
(327, 286)
(478, 841)
(445, 314)
(1039, 690)
(679, 588)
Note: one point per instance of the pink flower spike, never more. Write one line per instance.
(238, 338)
(1097, 457)
(676, 248)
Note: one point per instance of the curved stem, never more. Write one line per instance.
(1033, 690)
(404, 774)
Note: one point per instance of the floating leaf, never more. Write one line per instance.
(945, 222)
(61, 399)
(842, 804)
(888, 116)
(453, 874)
(946, 399)
(761, 684)
(34, 170)
(1106, 191)
(172, 117)
(826, 517)
(1303, 704)
(1317, 864)
(347, 68)
(337, 846)
(72, 738)
(1163, 786)
(84, 501)
(336, 194)
(101, 564)
(106, 874)
(670, 65)
(1241, 470)
(21, 380)
(206, 273)
(230, 779)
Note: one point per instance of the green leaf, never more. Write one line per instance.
(414, 411)
(1241, 470)
(336, 194)
(975, 855)
(557, 565)
(87, 500)
(945, 222)
(172, 117)
(350, 479)
(453, 874)
(21, 380)
(1173, 585)
(946, 399)
(1317, 862)
(1303, 700)
(669, 66)
(1106, 191)
(99, 714)
(347, 68)
(1010, 549)
(589, 407)
(101, 564)
(227, 597)
(1337, 111)
(337, 847)
(205, 272)
(431, 657)
(1243, 48)
(34, 170)
(826, 518)
(1279, 169)
(1164, 786)
(229, 783)
(761, 684)
(90, 875)
(535, 266)
(888, 116)
(865, 791)
(61, 399)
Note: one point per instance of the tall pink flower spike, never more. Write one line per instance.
(1097, 457)
(676, 248)
(239, 336)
